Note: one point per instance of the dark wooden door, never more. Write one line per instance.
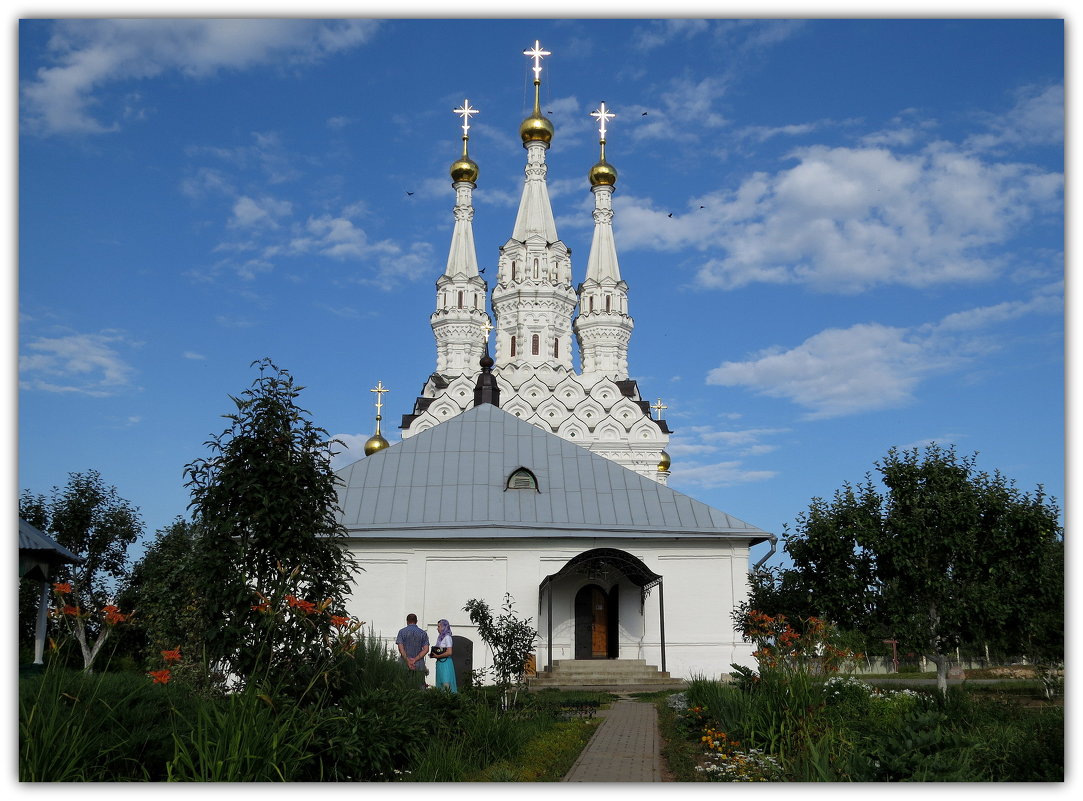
(599, 640)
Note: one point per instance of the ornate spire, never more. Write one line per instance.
(460, 313)
(603, 327)
(377, 442)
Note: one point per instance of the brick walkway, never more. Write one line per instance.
(624, 748)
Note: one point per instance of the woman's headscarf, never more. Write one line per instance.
(443, 627)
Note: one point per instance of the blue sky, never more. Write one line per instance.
(839, 236)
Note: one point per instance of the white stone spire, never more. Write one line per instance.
(460, 323)
(533, 299)
(603, 327)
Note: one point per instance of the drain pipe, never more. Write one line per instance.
(774, 547)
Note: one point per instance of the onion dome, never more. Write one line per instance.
(603, 174)
(536, 128)
(464, 169)
(375, 443)
(663, 465)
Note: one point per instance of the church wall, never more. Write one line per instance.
(701, 581)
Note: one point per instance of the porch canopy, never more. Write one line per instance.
(597, 563)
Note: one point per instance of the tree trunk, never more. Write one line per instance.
(941, 661)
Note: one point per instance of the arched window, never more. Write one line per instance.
(535, 268)
(475, 300)
(535, 345)
(514, 272)
(556, 347)
(592, 304)
(460, 299)
(522, 479)
(607, 299)
(513, 344)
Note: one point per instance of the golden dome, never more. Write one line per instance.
(375, 443)
(603, 174)
(663, 465)
(536, 128)
(464, 170)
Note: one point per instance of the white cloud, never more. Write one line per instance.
(657, 33)
(87, 364)
(1037, 118)
(188, 354)
(869, 366)
(847, 219)
(265, 211)
(91, 55)
(706, 457)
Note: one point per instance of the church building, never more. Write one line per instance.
(519, 474)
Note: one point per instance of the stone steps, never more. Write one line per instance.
(587, 673)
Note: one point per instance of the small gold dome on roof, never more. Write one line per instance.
(375, 443)
(663, 465)
(603, 174)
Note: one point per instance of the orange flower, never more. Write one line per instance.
(306, 607)
(62, 588)
(262, 607)
(74, 611)
(113, 615)
(171, 656)
(341, 621)
(160, 676)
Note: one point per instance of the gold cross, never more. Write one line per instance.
(537, 54)
(465, 111)
(658, 407)
(488, 327)
(603, 116)
(379, 390)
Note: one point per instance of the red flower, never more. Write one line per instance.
(160, 676)
(342, 621)
(74, 611)
(262, 607)
(62, 588)
(171, 656)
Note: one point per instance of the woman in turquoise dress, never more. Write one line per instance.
(441, 652)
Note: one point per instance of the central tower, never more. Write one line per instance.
(533, 299)
(533, 303)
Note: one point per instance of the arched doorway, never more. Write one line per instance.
(597, 617)
(600, 564)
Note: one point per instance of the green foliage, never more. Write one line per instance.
(163, 592)
(945, 556)
(862, 733)
(510, 639)
(265, 508)
(90, 519)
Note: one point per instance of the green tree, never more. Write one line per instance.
(945, 555)
(90, 519)
(510, 639)
(265, 506)
(162, 588)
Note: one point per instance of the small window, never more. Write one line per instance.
(514, 272)
(522, 479)
(535, 268)
(460, 299)
(607, 299)
(556, 347)
(592, 304)
(535, 345)
(513, 345)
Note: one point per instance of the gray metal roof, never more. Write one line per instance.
(44, 546)
(450, 481)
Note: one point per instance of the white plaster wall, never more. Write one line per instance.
(701, 581)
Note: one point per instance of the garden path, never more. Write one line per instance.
(626, 747)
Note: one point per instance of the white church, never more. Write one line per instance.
(518, 474)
